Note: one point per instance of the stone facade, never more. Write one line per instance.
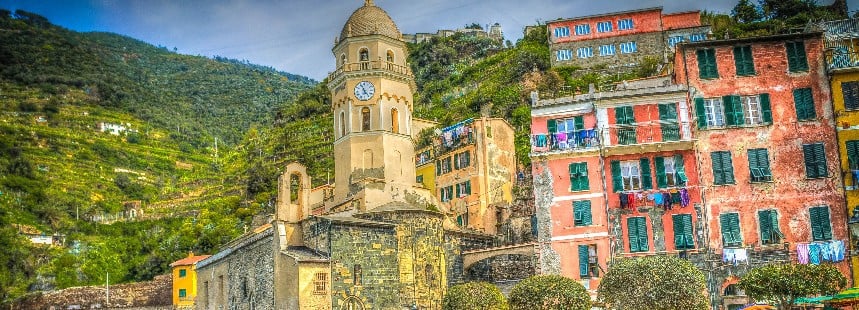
(238, 277)
(148, 295)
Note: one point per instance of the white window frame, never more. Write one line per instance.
(715, 112)
(585, 52)
(564, 55)
(461, 188)
(628, 47)
(752, 110)
(673, 40)
(697, 37)
(670, 171)
(607, 50)
(630, 172)
(605, 26)
(561, 32)
(583, 29)
(625, 24)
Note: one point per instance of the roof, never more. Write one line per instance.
(398, 206)
(305, 254)
(777, 37)
(369, 20)
(348, 220)
(189, 260)
(658, 8)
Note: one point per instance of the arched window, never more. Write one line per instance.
(395, 121)
(342, 59)
(342, 123)
(430, 274)
(365, 119)
(364, 55)
(357, 275)
(294, 187)
(390, 56)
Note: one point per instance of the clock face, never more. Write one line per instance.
(364, 90)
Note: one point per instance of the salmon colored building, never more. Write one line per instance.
(768, 154)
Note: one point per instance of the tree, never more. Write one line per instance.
(745, 12)
(654, 283)
(784, 283)
(549, 292)
(474, 295)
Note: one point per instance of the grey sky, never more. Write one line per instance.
(297, 35)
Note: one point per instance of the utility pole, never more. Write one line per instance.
(107, 290)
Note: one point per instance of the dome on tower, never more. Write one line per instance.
(368, 20)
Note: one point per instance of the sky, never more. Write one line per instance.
(296, 36)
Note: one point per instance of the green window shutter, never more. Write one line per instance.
(624, 115)
(668, 112)
(456, 161)
(820, 158)
(759, 166)
(584, 184)
(853, 154)
(718, 172)
(683, 231)
(804, 103)
(766, 108)
(583, 260)
(661, 178)
(637, 227)
(736, 110)
(821, 228)
(810, 167)
(700, 113)
(457, 190)
(437, 167)
(552, 125)
(850, 92)
(468, 187)
(646, 178)
(707, 64)
(680, 169)
(796, 58)
(730, 225)
(579, 122)
(743, 60)
(728, 167)
(642, 234)
(730, 116)
(815, 160)
(582, 210)
(616, 177)
(765, 221)
(687, 225)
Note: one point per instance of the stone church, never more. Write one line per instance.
(375, 239)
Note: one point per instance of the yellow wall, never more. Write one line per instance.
(306, 286)
(428, 172)
(188, 283)
(847, 125)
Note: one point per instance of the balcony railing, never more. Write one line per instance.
(370, 65)
(565, 141)
(644, 133)
(842, 57)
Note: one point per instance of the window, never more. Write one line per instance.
(389, 56)
(605, 26)
(462, 160)
(357, 275)
(734, 115)
(804, 102)
(182, 293)
(759, 165)
(606, 50)
(625, 118)
(585, 52)
(579, 177)
(583, 29)
(751, 110)
(625, 24)
(463, 189)
(673, 40)
(768, 220)
(668, 122)
(744, 61)
(707, 64)
(730, 224)
(564, 55)
(710, 113)
(683, 239)
(582, 213)
(853, 154)
(320, 283)
(462, 219)
(342, 123)
(821, 227)
(796, 61)
(182, 273)
(697, 37)
(419, 179)
(429, 272)
(442, 166)
(446, 193)
(588, 265)
(637, 227)
(815, 160)
(630, 171)
(631, 175)
(628, 48)
(561, 32)
(342, 59)
(723, 168)
(365, 119)
(850, 92)
(395, 121)
(364, 55)
(670, 171)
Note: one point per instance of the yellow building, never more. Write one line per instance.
(842, 63)
(185, 281)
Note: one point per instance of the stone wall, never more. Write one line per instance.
(649, 44)
(155, 294)
(502, 268)
(243, 279)
(375, 250)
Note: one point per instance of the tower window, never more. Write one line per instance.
(342, 59)
(390, 56)
(395, 121)
(364, 55)
(357, 275)
(365, 119)
(342, 123)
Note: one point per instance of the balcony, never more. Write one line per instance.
(573, 141)
(841, 57)
(375, 65)
(646, 137)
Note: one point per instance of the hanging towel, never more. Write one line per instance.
(666, 198)
(734, 256)
(624, 201)
(631, 200)
(814, 253)
(837, 249)
(657, 200)
(675, 198)
(684, 197)
(825, 252)
(802, 253)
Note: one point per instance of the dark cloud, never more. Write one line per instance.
(297, 35)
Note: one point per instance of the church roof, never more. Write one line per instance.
(305, 254)
(368, 20)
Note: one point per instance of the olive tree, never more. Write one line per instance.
(549, 292)
(654, 283)
(474, 295)
(784, 283)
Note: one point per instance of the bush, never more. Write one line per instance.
(548, 293)
(474, 295)
(784, 283)
(654, 283)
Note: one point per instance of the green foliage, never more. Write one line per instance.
(549, 292)
(654, 283)
(474, 295)
(746, 12)
(784, 283)
(771, 17)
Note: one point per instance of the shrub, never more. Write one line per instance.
(654, 283)
(548, 293)
(474, 295)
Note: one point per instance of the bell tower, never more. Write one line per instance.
(371, 92)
